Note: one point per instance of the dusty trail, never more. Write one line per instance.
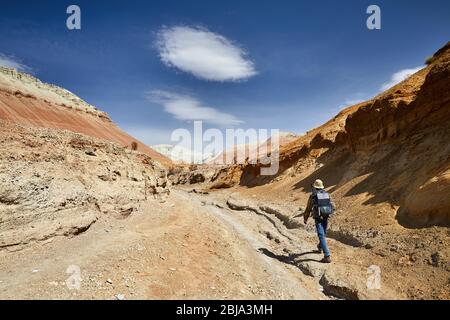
(256, 231)
(182, 247)
(287, 244)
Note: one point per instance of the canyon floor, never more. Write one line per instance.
(178, 248)
(195, 245)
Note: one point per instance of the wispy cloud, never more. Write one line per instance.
(399, 76)
(396, 78)
(350, 102)
(13, 62)
(185, 107)
(204, 54)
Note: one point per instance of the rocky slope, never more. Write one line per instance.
(59, 183)
(395, 146)
(26, 100)
(64, 165)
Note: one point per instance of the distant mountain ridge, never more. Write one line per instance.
(181, 154)
(252, 151)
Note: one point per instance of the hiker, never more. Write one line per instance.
(321, 207)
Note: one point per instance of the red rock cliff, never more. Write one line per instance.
(26, 100)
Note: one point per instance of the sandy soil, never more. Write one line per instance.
(177, 248)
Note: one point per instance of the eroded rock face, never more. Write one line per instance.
(420, 102)
(58, 183)
(429, 204)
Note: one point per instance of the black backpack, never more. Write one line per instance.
(322, 206)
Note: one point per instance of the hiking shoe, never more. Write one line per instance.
(326, 260)
(319, 248)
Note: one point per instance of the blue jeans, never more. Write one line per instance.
(321, 228)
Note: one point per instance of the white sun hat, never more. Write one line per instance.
(318, 184)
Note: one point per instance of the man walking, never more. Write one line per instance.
(321, 207)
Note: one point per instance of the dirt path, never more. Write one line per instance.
(286, 243)
(193, 245)
(183, 247)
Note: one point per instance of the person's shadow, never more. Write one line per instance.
(290, 258)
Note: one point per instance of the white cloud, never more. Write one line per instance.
(185, 107)
(12, 62)
(399, 77)
(204, 54)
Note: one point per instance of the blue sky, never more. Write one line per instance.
(155, 66)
